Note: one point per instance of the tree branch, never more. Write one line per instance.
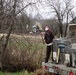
(24, 8)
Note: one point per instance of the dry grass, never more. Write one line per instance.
(43, 72)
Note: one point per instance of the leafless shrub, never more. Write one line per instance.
(19, 55)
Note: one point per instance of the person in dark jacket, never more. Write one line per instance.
(48, 39)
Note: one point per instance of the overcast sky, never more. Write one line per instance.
(43, 10)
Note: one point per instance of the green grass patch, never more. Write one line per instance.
(17, 73)
(26, 44)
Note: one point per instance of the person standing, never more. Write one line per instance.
(48, 39)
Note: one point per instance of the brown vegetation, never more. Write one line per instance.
(43, 72)
(21, 53)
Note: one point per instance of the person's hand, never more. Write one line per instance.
(43, 41)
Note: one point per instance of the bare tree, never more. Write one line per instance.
(1, 11)
(62, 9)
(11, 21)
(68, 12)
(11, 9)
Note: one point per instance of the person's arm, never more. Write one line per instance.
(43, 37)
(52, 35)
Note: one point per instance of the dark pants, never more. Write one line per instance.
(48, 51)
